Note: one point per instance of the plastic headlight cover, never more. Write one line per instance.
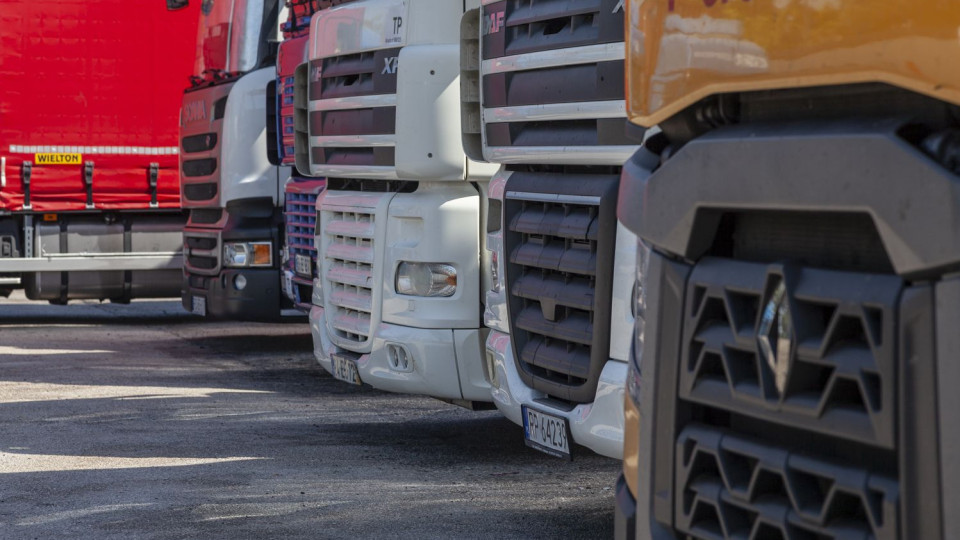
(261, 253)
(235, 254)
(242, 254)
(426, 279)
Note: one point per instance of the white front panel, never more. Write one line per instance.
(359, 26)
(245, 171)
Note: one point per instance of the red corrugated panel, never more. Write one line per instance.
(106, 77)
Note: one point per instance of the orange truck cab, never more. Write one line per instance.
(797, 289)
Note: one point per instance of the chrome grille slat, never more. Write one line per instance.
(348, 272)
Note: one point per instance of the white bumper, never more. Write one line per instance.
(446, 363)
(597, 425)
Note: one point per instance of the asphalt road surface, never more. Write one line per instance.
(141, 421)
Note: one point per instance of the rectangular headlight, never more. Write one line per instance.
(247, 254)
(426, 279)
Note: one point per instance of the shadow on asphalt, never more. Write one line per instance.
(289, 452)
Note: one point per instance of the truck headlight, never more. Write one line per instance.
(426, 279)
(639, 324)
(244, 254)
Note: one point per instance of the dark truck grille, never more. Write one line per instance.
(800, 443)
(301, 222)
(574, 103)
(559, 239)
(360, 75)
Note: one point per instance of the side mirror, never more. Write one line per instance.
(173, 5)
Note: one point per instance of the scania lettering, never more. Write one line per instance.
(797, 290)
(233, 237)
(547, 106)
(89, 187)
(399, 239)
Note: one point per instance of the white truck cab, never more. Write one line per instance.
(232, 238)
(548, 109)
(397, 304)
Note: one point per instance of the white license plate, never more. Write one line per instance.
(545, 432)
(198, 306)
(345, 369)
(303, 265)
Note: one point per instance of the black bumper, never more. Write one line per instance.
(260, 300)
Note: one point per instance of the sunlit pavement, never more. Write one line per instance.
(141, 421)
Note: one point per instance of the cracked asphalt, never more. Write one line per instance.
(141, 421)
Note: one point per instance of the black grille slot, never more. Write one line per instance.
(199, 167)
(793, 371)
(525, 26)
(559, 278)
(203, 263)
(376, 186)
(219, 108)
(378, 121)
(592, 132)
(200, 242)
(199, 143)
(359, 157)
(823, 239)
(602, 81)
(200, 192)
(205, 216)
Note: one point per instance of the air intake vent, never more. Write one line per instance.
(199, 143)
(788, 392)
(199, 167)
(353, 117)
(200, 192)
(553, 83)
(560, 238)
(349, 272)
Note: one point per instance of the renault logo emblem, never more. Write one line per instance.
(776, 335)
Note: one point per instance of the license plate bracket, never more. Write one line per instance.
(546, 432)
(198, 306)
(345, 369)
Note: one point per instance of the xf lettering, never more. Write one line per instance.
(390, 66)
(619, 6)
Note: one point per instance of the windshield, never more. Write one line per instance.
(231, 36)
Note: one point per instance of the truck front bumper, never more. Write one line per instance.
(258, 301)
(597, 425)
(443, 363)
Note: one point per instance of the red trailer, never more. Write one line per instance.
(89, 182)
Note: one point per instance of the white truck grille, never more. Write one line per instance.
(348, 272)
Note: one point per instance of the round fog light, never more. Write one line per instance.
(240, 282)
